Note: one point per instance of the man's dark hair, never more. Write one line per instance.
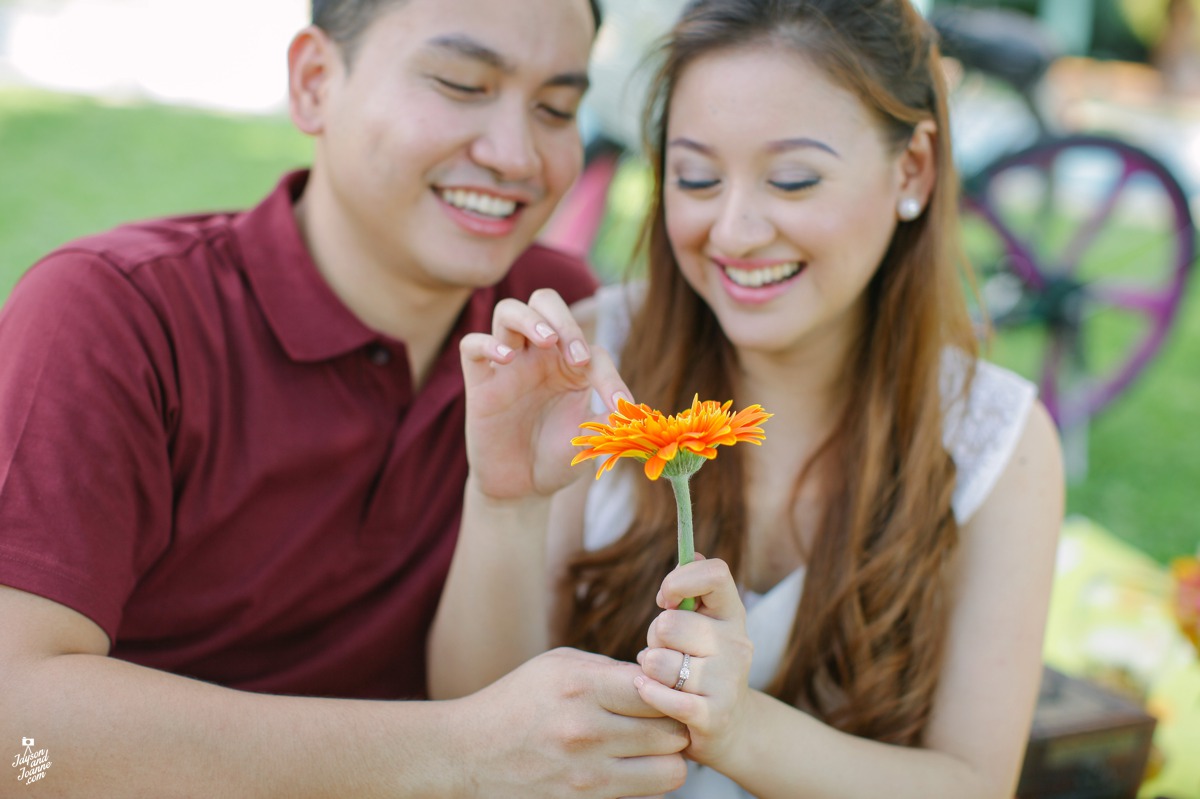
(346, 20)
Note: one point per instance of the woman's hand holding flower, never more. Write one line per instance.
(713, 701)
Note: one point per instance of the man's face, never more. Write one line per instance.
(449, 139)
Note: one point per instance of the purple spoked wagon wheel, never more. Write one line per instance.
(1083, 245)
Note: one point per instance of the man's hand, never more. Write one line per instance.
(528, 388)
(569, 723)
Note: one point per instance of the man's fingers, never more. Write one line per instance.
(546, 321)
(630, 737)
(648, 776)
(515, 324)
(604, 378)
(614, 691)
(608, 682)
(478, 351)
(557, 314)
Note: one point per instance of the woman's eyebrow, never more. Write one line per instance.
(464, 46)
(774, 147)
(690, 144)
(800, 143)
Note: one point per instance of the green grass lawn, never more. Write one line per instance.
(71, 166)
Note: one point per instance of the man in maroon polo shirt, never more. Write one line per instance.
(232, 456)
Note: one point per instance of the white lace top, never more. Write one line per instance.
(980, 433)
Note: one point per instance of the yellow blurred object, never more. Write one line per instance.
(1113, 620)
(1185, 573)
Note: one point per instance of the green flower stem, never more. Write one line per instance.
(683, 507)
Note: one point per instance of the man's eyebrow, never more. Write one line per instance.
(467, 47)
(570, 80)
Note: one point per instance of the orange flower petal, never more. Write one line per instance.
(639, 431)
(655, 466)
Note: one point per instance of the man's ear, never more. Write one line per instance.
(918, 163)
(313, 62)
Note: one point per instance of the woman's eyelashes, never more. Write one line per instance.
(795, 185)
(686, 184)
(789, 186)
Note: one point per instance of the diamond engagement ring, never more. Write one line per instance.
(685, 671)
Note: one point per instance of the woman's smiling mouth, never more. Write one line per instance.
(761, 276)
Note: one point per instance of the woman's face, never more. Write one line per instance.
(780, 196)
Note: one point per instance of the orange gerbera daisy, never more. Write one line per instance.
(678, 444)
(675, 446)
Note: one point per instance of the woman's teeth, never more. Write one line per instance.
(757, 278)
(476, 203)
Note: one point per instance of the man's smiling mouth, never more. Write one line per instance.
(485, 205)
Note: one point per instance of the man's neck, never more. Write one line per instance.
(421, 316)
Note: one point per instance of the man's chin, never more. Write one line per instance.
(478, 273)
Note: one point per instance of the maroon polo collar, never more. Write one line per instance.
(306, 316)
(309, 320)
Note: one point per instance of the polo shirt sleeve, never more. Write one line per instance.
(85, 479)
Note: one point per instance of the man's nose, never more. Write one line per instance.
(507, 147)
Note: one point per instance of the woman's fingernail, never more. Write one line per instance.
(503, 351)
(620, 395)
(544, 330)
(639, 681)
(579, 351)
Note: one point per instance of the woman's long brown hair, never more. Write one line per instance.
(866, 648)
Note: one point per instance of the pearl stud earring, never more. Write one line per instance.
(909, 208)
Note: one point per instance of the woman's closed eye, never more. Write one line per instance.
(685, 184)
(795, 185)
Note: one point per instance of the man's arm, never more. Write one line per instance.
(529, 386)
(116, 729)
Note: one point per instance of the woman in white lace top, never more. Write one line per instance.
(872, 604)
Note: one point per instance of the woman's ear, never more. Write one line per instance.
(917, 170)
(313, 60)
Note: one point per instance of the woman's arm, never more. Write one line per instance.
(529, 386)
(988, 687)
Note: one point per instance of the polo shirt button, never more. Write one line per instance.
(380, 355)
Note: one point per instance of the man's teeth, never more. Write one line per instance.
(756, 278)
(485, 204)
